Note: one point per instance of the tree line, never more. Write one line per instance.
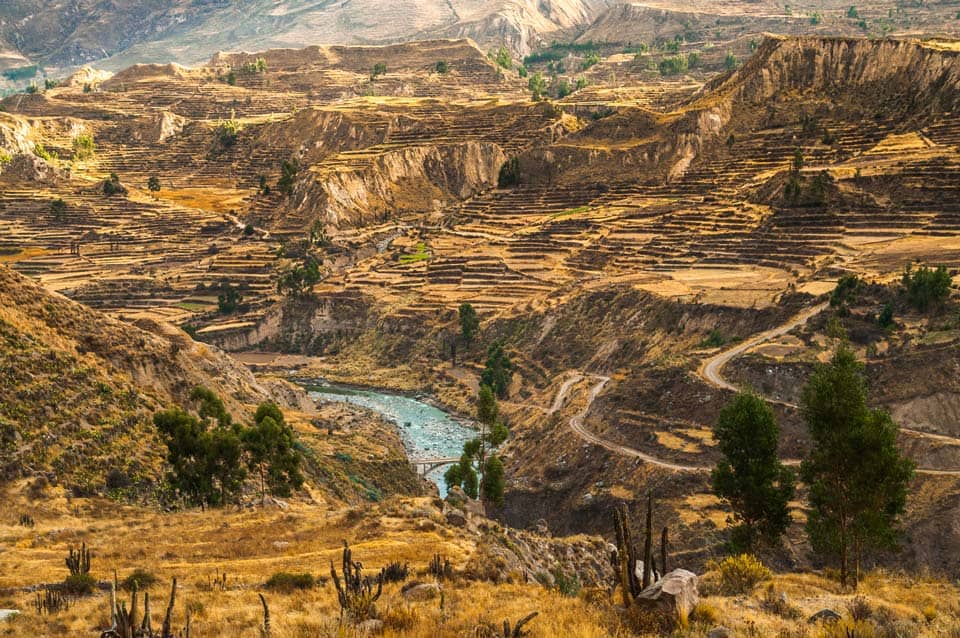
(210, 455)
(856, 477)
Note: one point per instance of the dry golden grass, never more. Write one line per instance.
(251, 545)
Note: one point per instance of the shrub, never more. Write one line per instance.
(442, 67)
(776, 602)
(885, 319)
(41, 151)
(568, 585)
(847, 628)
(227, 132)
(396, 572)
(739, 574)
(859, 608)
(705, 614)
(846, 287)
(290, 581)
(509, 173)
(730, 61)
(79, 584)
(592, 59)
(714, 339)
(927, 287)
(674, 65)
(401, 618)
(83, 147)
(142, 578)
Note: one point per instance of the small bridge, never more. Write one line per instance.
(425, 466)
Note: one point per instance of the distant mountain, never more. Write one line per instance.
(115, 33)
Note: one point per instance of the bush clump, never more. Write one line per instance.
(79, 584)
(141, 577)
(739, 574)
(290, 581)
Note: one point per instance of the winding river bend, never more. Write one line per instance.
(427, 432)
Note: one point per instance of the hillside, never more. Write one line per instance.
(115, 35)
(80, 389)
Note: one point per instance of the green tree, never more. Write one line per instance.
(442, 67)
(224, 462)
(187, 450)
(537, 85)
(509, 173)
(270, 445)
(502, 58)
(210, 406)
(885, 319)
(380, 68)
(853, 13)
(493, 480)
(498, 370)
(471, 471)
(58, 209)
(927, 287)
(673, 65)
(856, 475)
(469, 322)
(750, 477)
(288, 176)
(297, 281)
(846, 288)
(229, 299)
(730, 61)
(153, 184)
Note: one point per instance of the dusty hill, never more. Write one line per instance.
(80, 390)
(62, 35)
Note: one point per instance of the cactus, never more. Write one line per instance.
(663, 550)
(51, 602)
(440, 567)
(518, 631)
(626, 557)
(355, 593)
(648, 566)
(124, 621)
(265, 630)
(165, 629)
(78, 562)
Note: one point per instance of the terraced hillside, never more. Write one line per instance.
(613, 238)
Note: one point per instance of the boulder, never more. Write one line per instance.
(824, 616)
(672, 597)
(421, 591)
(455, 517)
(720, 632)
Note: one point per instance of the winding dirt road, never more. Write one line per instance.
(576, 424)
(711, 372)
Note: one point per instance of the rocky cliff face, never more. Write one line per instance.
(891, 77)
(405, 180)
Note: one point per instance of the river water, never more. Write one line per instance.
(427, 432)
